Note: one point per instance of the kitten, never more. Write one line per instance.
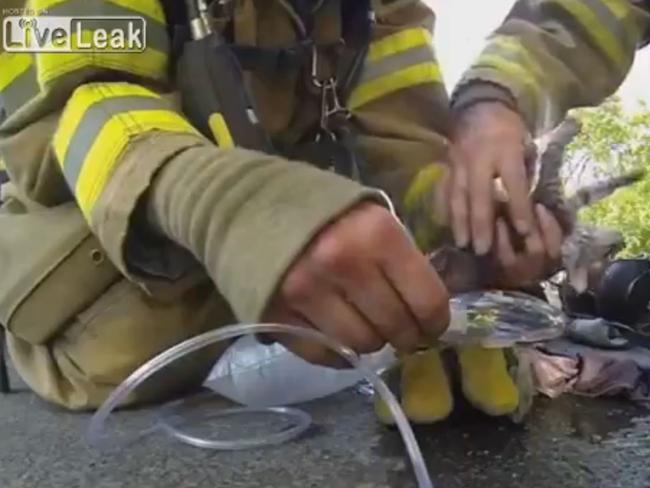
(585, 246)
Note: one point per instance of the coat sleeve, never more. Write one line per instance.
(99, 128)
(550, 56)
(400, 107)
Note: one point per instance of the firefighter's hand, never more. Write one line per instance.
(539, 258)
(363, 282)
(489, 142)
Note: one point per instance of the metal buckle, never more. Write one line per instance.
(331, 105)
(314, 67)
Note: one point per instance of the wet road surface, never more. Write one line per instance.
(568, 442)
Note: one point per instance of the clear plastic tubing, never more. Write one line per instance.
(96, 435)
(301, 422)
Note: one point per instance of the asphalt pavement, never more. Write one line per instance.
(568, 442)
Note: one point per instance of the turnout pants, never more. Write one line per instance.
(105, 343)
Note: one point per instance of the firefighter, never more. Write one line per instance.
(131, 231)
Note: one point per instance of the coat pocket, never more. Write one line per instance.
(51, 268)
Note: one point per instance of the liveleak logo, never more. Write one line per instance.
(74, 34)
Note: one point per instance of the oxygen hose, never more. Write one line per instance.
(97, 436)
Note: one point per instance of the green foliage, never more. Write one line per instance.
(613, 141)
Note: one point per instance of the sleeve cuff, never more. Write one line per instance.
(475, 92)
(276, 225)
(481, 85)
(246, 216)
(158, 265)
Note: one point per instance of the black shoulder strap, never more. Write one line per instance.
(253, 58)
(175, 14)
(356, 25)
(357, 31)
(304, 10)
(356, 20)
(177, 30)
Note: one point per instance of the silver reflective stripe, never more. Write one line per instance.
(397, 62)
(603, 28)
(157, 37)
(25, 86)
(19, 91)
(91, 124)
(608, 19)
(511, 49)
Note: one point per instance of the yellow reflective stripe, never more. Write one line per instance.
(396, 62)
(155, 28)
(43, 5)
(619, 8)
(18, 83)
(419, 202)
(621, 11)
(150, 63)
(220, 131)
(2, 165)
(609, 44)
(515, 49)
(82, 99)
(12, 65)
(422, 184)
(397, 43)
(509, 55)
(407, 77)
(512, 70)
(97, 125)
(151, 8)
(104, 155)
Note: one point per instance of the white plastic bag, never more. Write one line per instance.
(257, 375)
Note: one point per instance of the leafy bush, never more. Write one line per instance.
(613, 141)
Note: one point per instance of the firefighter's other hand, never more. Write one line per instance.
(489, 143)
(538, 260)
(363, 282)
